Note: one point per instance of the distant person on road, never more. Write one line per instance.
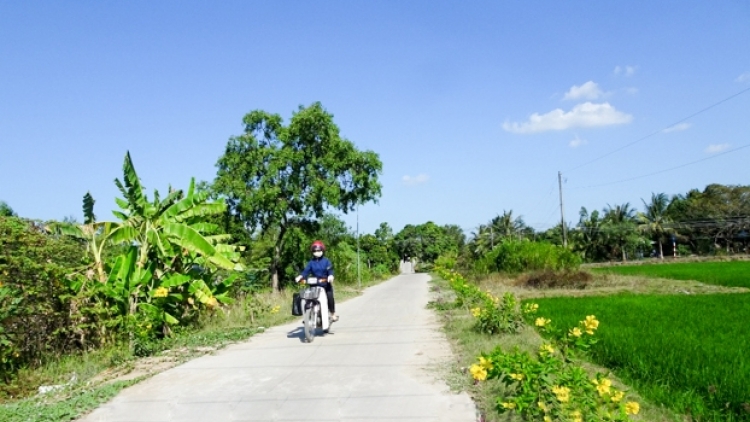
(321, 268)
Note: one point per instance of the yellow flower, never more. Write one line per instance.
(547, 419)
(575, 332)
(632, 408)
(576, 416)
(530, 307)
(590, 324)
(161, 292)
(562, 393)
(509, 405)
(485, 363)
(546, 349)
(275, 309)
(517, 377)
(542, 406)
(541, 322)
(476, 312)
(602, 386)
(617, 396)
(479, 373)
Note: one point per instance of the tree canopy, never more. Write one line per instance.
(276, 176)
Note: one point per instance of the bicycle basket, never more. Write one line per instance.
(311, 293)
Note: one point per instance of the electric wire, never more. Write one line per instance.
(660, 130)
(663, 171)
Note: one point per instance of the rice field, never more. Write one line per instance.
(724, 273)
(690, 353)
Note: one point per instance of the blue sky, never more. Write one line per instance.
(473, 106)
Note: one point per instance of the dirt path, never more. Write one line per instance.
(375, 366)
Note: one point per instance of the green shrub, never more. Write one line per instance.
(516, 256)
(34, 302)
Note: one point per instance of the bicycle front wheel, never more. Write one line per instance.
(309, 320)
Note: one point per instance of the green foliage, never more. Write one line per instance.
(277, 177)
(34, 306)
(493, 315)
(514, 256)
(727, 273)
(686, 352)
(427, 241)
(501, 227)
(6, 210)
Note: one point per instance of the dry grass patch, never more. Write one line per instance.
(597, 285)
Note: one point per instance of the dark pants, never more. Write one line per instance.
(329, 294)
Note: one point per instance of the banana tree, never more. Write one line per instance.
(173, 251)
(93, 233)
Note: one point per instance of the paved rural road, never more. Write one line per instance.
(376, 366)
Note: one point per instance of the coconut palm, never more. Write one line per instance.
(655, 220)
(620, 228)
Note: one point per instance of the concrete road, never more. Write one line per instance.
(377, 365)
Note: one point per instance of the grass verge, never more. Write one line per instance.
(90, 379)
(685, 352)
(467, 344)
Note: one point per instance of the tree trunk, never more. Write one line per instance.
(661, 251)
(277, 258)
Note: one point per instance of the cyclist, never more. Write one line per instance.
(321, 268)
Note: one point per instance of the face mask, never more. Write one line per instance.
(318, 254)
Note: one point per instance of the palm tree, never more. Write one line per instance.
(505, 226)
(620, 227)
(589, 235)
(655, 219)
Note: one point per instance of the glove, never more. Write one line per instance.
(298, 278)
(330, 279)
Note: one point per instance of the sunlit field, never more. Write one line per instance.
(689, 353)
(725, 273)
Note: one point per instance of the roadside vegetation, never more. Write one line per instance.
(87, 308)
(541, 336)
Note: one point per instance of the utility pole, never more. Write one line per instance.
(359, 278)
(562, 213)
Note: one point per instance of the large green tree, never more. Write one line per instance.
(275, 176)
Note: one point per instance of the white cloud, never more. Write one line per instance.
(743, 78)
(715, 148)
(677, 128)
(416, 180)
(582, 115)
(588, 91)
(577, 142)
(625, 70)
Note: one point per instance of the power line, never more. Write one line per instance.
(660, 130)
(663, 171)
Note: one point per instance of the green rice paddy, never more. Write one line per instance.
(690, 353)
(726, 273)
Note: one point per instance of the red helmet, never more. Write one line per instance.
(317, 246)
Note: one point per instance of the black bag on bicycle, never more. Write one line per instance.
(296, 305)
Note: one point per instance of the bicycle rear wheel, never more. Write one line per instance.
(310, 323)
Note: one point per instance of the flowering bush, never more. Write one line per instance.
(493, 315)
(547, 386)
